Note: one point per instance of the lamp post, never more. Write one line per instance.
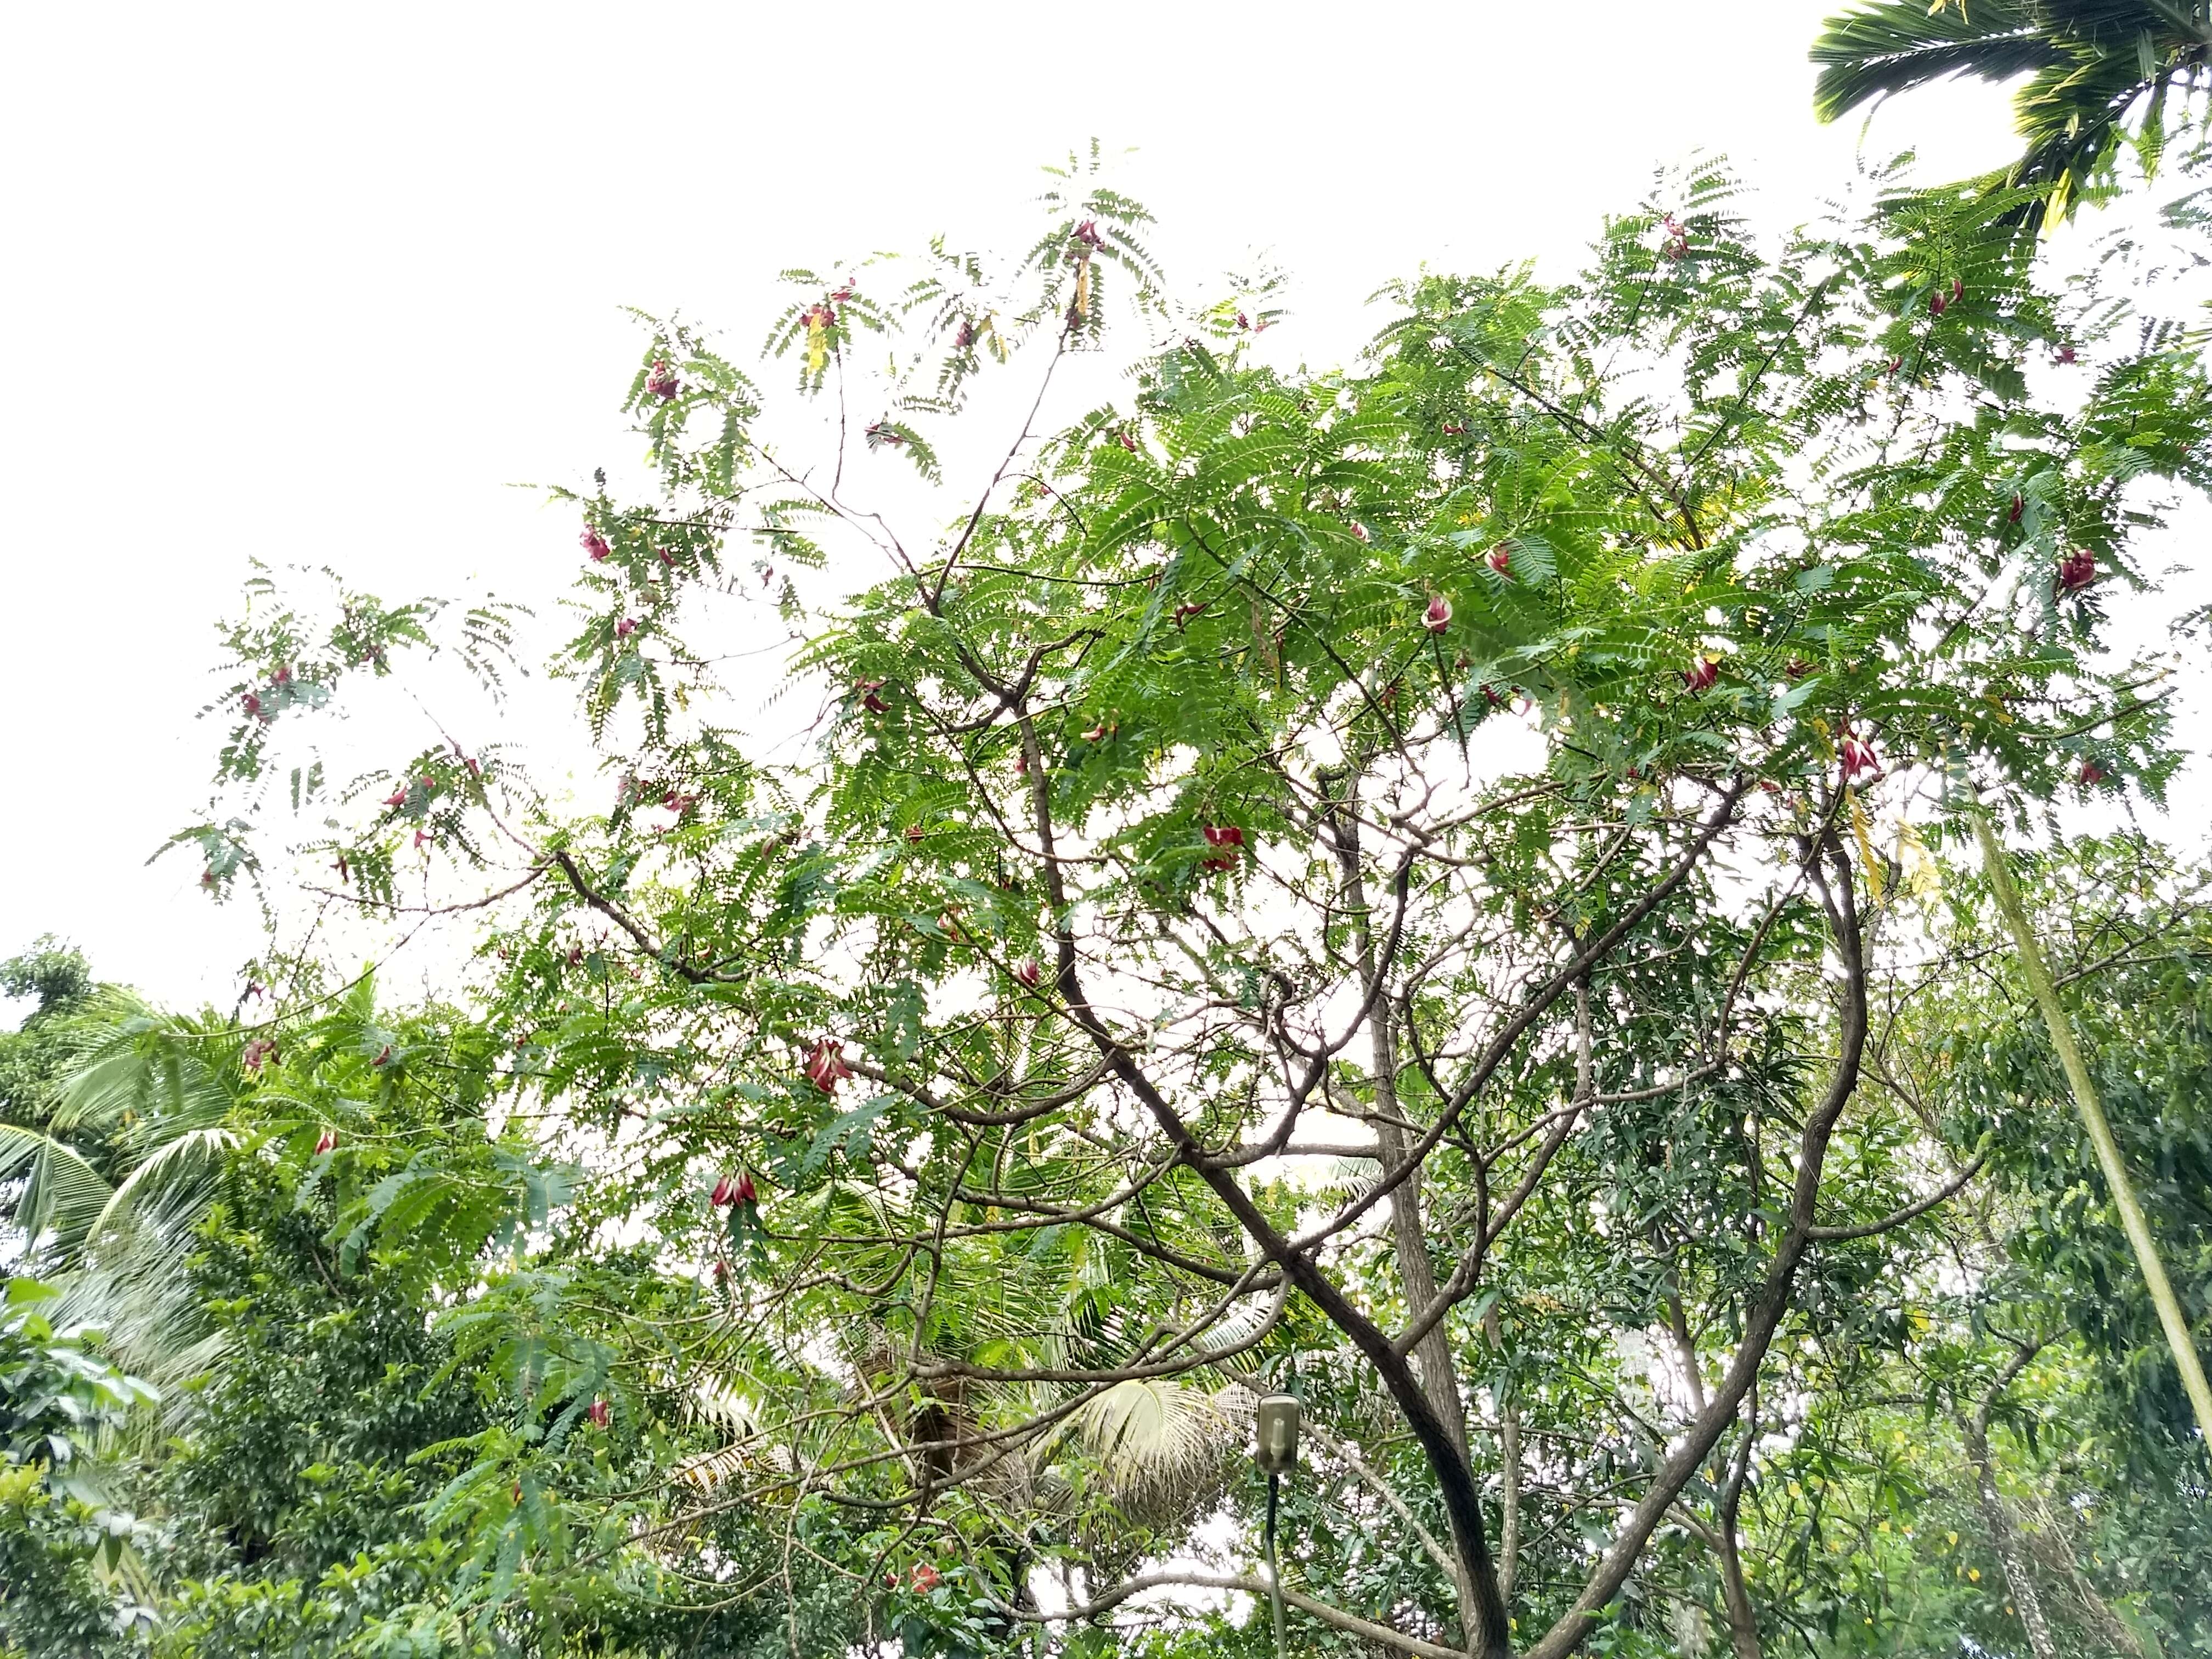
(1276, 1452)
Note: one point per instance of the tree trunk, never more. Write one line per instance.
(1417, 1271)
(2018, 1578)
(1742, 1613)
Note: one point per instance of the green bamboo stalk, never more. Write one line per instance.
(2002, 887)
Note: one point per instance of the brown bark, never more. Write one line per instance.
(1735, 1593)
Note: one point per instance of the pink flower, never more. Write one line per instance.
(1453, 429)
(2092, 774)
(1087, 234)
(2077, 570)
(251, 704)
(257, 1054)
(925, 1578)
(421, 837)
(1701, 674)
(1438, 616)
(1096, 732)
(1126, 441)
(598, 1413)
(594, 543)
(1183, 613)
(1500, 559)
(661, 382)
(625, 628)
(724, 1193)
(283, 676)
(746, 1192)
(1859, 760)
(1958, 290)
(1030, 971)
(327, 1142)
(1229, 839)
(2065, 353)
(826, 1067)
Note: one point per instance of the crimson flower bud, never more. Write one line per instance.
(1453, 429)
(1030, 971)
(1127, 443)
(2092, 774)
(283, 676)
(327, 1142)
(2077, 570)
(251, 703)
(1859, 760)
(1087, 234)
(1936, 304)
(2017, 504)
(625, 628)
(826, 1067)
(1096, 732)
(1958, 290)
(382, 1056)
(598, 1413)
(594, 543)
(925, 1578)
(746, 1192)
(1896, 363)
(661, 382)
(1437, 617)
(2066, 353)
(915, 833)
(1500, 559)
(724, 1193)
(1701, 674)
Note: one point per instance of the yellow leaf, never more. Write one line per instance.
(818, 347)
(1866, 845)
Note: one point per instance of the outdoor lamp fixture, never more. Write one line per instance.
(1276, 1452)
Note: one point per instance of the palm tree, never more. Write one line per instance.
(2101, 73)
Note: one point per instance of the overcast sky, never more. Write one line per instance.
(321, 283)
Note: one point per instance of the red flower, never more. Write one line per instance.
(1896, 363)
(1127, 441)
(1796, 668)
(1028, 970)
(724, 1193)
(965, 336)
(421, 837)
(594, 543)
(2077, 570)
(251, 703)
(841, 295)
(1228, 838)
(397, 797)
(1958, 290)
(1453, 429)
(826, 1067)
(1936, 304)
(1087, 234)
(869, 700)
(625, 628)
(721, 1272)
(746, 1192)
(1096, 732)
(283, 676)
(1500, 559)
(2065, 353)
(382, 1056)
(1438, 616)
(327, 1142)
(925, 1578)
(661, 383)
(1701, 674)
(257, 1052)
(1859, 760)
(2017, 505)
(598, 1413)
(1183, 613)
(575, 956)
(1490, 695)
(915, 833)
(1022, 764)
(429, 783)
(2092, 774)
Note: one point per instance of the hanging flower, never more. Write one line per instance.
(925, 1578)
(251, 704)
(2092, 774)
(1437, 617)
(1859, 760)
(1500, 559)
(869, 700)
(1030, 972)
(625, 628)
(257, 1054)
(2018, 507)
(598, 1413)
(1183, 613)
(724, 1193)
(746, 1192)
(1701, 674)
(2077, 570)
(826, 1067)
(661, 381)
(1227, 840)
(327, 1142)
(594, 543)
(1087, 234)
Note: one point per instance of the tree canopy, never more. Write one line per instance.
(1427, 885)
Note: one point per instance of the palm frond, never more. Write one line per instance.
(1879, 50)
(63, 1193)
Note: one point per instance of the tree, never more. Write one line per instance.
(1362, 877)
(2101, 76)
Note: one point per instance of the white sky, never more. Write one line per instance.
(319, 283)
